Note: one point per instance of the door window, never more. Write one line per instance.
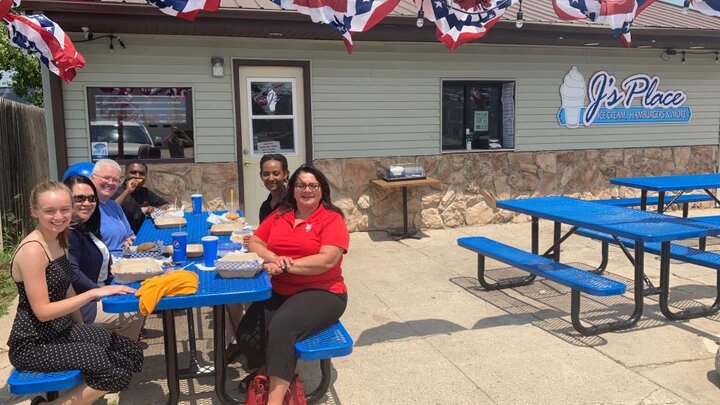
(272, 116)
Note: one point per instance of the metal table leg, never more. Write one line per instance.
(194, 368)
(171, 363)
(405, 234)
(608, 327)
(219, 341)
(689, 313)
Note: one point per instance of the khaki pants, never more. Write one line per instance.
(126, 324)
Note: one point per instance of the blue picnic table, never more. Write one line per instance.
(639, 226)
(197, 227)
(213, 291)
(662, 184)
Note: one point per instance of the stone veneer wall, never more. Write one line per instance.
(473, 182)
(213, 180)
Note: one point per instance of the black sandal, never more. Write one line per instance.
(245, 382)
(38, 400)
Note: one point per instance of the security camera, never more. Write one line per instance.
(87, 32)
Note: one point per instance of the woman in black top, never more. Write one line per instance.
(274, 174)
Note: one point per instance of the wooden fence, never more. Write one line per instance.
(23, 162)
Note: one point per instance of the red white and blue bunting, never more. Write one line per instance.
(462, 21)
(618, 14)
(185, 9)
(39, 35)
(709, 7)
(344, 16)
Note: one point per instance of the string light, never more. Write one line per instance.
(716, 58)
(420, 18)
(686, 7)
(683, 58)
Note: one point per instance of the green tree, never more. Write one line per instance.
(27, 81)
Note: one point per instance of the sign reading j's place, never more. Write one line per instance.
(637, 100)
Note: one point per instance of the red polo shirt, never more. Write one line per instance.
(322, 227)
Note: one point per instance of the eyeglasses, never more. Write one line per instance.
(311, 186)
(79, 199)
(108, 179)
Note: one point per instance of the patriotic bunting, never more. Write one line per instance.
(6, 5)
(465, 20)
(345, 16)
(709, 7)
(185, 9)
(38, 34)
(618, 14)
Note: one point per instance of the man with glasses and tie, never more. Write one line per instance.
(114, 226)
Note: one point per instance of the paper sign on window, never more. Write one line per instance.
(481, 121)
(99, 150)
(269, 147)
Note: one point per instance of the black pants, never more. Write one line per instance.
(268, 331)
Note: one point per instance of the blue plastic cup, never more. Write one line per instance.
(179, 243)
(196, 203)
(210, 249)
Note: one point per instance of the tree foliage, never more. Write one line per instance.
(27, 81)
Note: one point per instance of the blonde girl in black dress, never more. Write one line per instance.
(48, 334)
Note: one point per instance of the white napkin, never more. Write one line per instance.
(202, 267)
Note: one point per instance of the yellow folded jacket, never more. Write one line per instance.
(180, 282)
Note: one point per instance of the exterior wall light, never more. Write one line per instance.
(217, 66)
(520, 21)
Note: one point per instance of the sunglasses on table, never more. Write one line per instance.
(79, 199)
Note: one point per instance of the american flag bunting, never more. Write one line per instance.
(618, 14)
(39, 35)
(344, 16)
(708, 7)
(465, 21)
(185, 9)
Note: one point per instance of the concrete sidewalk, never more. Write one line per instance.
(425, 333)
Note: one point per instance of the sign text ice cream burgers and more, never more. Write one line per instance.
(638, 100)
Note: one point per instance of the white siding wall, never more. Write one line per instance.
(384, 100)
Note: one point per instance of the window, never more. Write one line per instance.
(272, 116)
(144, 122)
(478, 115)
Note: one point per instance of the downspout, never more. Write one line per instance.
(49, 128)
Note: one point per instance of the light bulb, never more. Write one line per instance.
(519, 21)
(683, 58)
(420, 18)
(686, 7)
(716, 58)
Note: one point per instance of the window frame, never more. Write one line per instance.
(466, 83)
(191, 110)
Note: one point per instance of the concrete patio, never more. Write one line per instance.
(425, 333)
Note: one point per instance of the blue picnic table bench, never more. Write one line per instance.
(331, 342)
(642, 227)
(577, 280)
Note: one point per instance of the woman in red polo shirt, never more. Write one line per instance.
(302, 242)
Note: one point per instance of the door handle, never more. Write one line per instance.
(247, 164)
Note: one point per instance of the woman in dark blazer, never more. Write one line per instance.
(91, 260)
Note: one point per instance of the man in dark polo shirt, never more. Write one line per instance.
(136, 200)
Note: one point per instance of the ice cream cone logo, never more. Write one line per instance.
(572, 94)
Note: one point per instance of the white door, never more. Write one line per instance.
(272, 121)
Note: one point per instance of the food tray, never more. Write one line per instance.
(170, 222)
(131, 270)
(239, 265)
(193, 250)
(226, 229)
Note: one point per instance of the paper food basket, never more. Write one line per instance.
(239, 265)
